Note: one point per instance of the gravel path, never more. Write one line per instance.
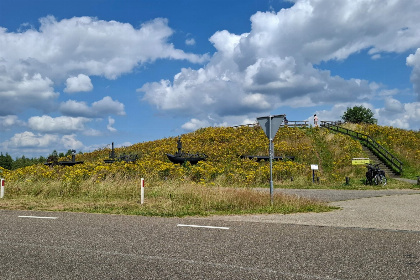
(381, 209)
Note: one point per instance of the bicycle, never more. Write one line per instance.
(375, 175)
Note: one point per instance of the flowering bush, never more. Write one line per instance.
(223, 167)
(404, 144)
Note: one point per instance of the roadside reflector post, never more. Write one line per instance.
(2, 188)
(142, 191)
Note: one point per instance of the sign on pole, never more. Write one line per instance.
(270, 125)
(275, 124)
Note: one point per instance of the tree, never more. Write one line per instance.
(359, 114)
(6, 161)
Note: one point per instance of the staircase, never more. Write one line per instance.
(374, 160)
(391, 165)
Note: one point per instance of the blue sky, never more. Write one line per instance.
(82, 74)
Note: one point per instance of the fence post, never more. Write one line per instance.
(2, 187)
(142, 191)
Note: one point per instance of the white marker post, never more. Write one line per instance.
(142, 191)
(2, 188)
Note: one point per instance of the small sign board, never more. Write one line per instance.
(314, 166)
(276, 121)
(360, 161)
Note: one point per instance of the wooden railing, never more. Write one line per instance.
(374, 146)
(303, 124)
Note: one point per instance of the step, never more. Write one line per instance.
(374, 159)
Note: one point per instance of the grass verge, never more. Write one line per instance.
(166, 199)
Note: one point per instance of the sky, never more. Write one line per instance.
(82, 74)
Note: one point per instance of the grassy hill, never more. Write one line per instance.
(173, 189)
(224, 166)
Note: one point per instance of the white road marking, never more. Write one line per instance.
(37, 217)
(197, 226)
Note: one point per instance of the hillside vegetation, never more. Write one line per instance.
(174, 189)
(223, 167)
(404, 144)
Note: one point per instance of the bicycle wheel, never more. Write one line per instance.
(376, 179)
(383, 180)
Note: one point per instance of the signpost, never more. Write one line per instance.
(270, 125)
(313, 168)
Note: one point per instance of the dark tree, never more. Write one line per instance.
(6, 161)
(359, 114)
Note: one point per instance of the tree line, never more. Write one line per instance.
(7, 162)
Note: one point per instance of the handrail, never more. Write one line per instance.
(375, 146)
(303, 124)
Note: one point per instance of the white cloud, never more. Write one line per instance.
(400, 115)
(394, 113)
(104, 107)
(91, 46)
(18, 92)
(111, 122)
(275, 64)
(33, 61)
(70, 142)
(195, 124)
(10, 121)
(40, 144)
(413, 60)
(57, 125)
(28, 139)
(78, 84)
(190, 42)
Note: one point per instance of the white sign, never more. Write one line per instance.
(314, 166)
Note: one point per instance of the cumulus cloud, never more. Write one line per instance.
(413, 60)
(276, 63)
(104, 107)
(398, 114)
(111, 122)
(91, 46)
(33, 61)
(78, 84)
(393, 113)
(28, 139)
(195, 124)
(7, 122)
(40, 143)
(20, 91)
(70, 142)
(57, 125)
(190, 42)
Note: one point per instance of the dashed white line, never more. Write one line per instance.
(37, 217)
(198, 226)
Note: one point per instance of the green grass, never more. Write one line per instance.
(168, 199)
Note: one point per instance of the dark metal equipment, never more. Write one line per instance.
(53, 160)
(113, 158)
(180, 157)
(266, 158)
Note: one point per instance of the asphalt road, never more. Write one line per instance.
(369, 209)
(95, 246)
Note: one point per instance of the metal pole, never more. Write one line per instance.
(271, 161)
